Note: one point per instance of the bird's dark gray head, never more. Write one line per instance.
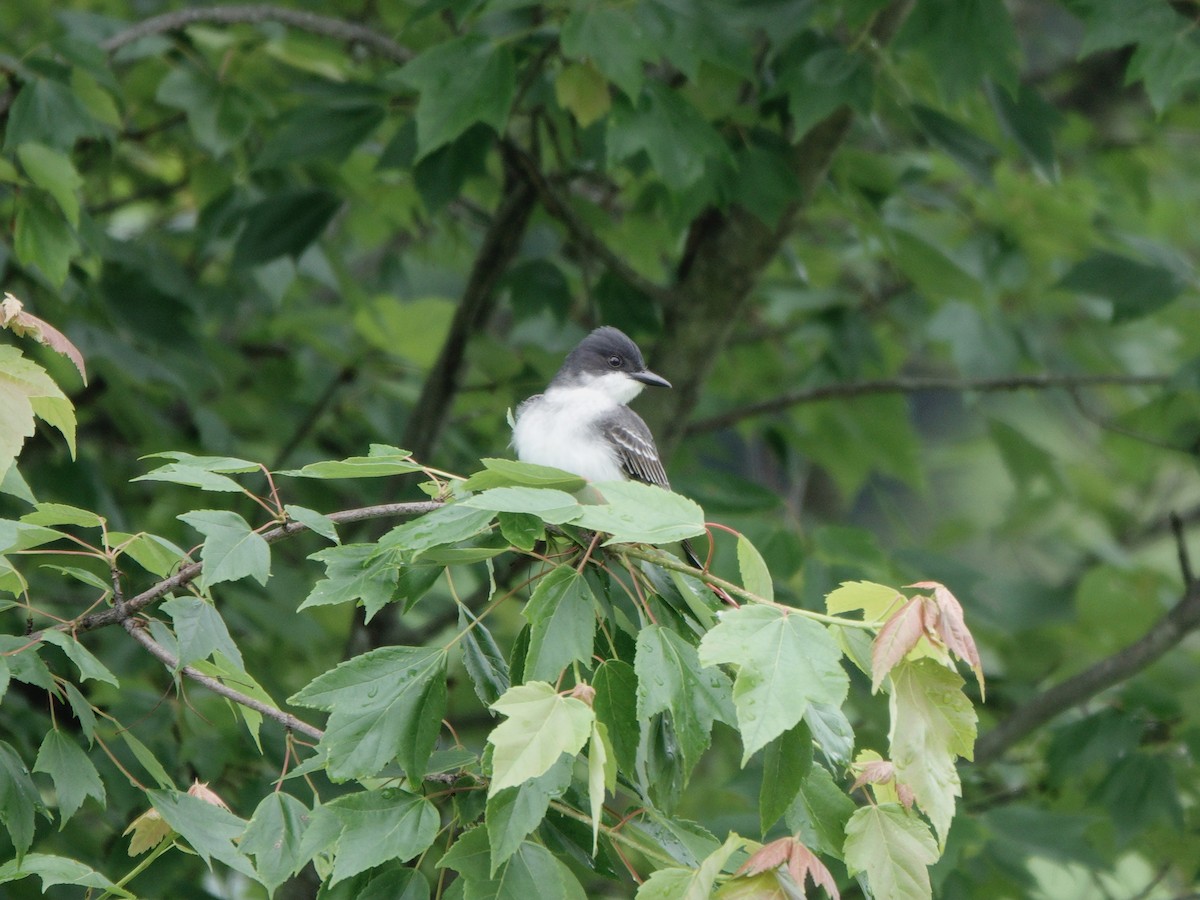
(607, 351)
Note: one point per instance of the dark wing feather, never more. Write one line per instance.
(635, 446)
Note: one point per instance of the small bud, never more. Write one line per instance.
(202, 791)
(584, 692)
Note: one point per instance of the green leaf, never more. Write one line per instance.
(562, 620)
(354, 572)
(218, 114)
(670, 679)
(83, 711)
(541, 725)
(53, 172)
(89, 666)
(1030, 122)
(964, 40)
(976, 155)
(445, 525)
(42, 237)
(194, 476)
(877, 601)
(681, 144)
(602, 776)
(819, 813)
(233, 675)
(24, 662)
(784, 662)
(73, 774)
(5, 676)
(819, 76)
(894, 848)
(522, 530)
(155, 554)
(549, 505)
(286, 223)
(19, 799)
(787, 761)
(386, 704)
(1134, 289)
(933, 723)
(57, 870)
(531, 871)
(514, 812)
(582, 90)
(461, 81)
(642, 513)
(148, 760)
(756, 577)
(313, 521)
(60, 514)
(200, 631)
(211, 831)
(46, 111)
(273, 838)
(831, 731)
(231, 550)
(381, 462)
(510, 472)
(319, 132)
(378, 826)
(483, 659)
(615, 704)
(1141, 791)
(613, 41)
(686, 884)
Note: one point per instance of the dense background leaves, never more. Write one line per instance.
(921, 273)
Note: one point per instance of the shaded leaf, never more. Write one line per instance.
(73, 774)
(378, 826)
(511, 814)
(209, 830)
(54, 870)
(562, 623)
(232, 550)
(273, 838)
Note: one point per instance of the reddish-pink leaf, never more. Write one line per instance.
(767, 857)
(952, 627)
(897, 636)
(905, 793)
(877, 771)
(14, 317)
(804, 862)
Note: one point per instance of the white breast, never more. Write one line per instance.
(558, 429)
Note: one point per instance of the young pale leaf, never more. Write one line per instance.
(541, 726)
(670, 679)
(602, 775)
(532, 871)
(756, 577)
(933, 723)
(547, 504)
(200, 631)
(894, 848)
(642, 513)
(231, 550)
(514, 812)
(378, 826)
(510, 472)
(562, 624)
(684, 884)
(87, 663)
(72, 772)
(877, 601)
(386, 704)
(784, 661)
(5, 676)
(54, 870)
(273, 838)
(786, 764)
(583, 91)
(211, 831)
(19, 799)
(483, 660)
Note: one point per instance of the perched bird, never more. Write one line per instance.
(581, 423)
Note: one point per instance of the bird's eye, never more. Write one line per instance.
(615, 362)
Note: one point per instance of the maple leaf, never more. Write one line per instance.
(952, 628)
(149, 830)
(898, 636)
(14, 317)
(801, 863)
(876, 771)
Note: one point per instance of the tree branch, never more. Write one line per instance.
(500, 245)
(581, 233)
(159, 652)
(257, 13)
(191, 571)
(906, 385)
(1165, 634)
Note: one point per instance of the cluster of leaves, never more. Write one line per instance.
(608, 696)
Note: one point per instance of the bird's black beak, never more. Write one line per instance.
(648, 377)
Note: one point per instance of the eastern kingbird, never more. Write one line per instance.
(581, 424)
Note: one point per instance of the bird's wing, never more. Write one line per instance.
(635, 446)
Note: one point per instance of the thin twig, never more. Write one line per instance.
(257, 13)
(1185, 560)
(912, 385)
(163, 655)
